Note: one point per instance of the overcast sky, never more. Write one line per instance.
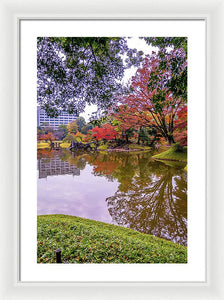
(133, 42)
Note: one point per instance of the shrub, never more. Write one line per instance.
(92, 145)
(177, 147)
(69, 137)
(103, 147)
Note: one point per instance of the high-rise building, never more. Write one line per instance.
(63, 118)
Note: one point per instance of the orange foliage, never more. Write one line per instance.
(180, 133)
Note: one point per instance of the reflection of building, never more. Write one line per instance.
(55, 166)
(63, 118)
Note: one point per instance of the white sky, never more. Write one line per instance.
(133, 42)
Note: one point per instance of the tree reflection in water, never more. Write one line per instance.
(152, 196)
(157, 206)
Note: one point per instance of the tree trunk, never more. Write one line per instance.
(138, 142)
(170, 139)
(127, 141)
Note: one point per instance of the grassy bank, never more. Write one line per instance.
(126, 148)
(44, 145)
(65, 145)
(173, 154)
(139, 147)
(88, 241)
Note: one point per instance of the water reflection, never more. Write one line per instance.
(155, 203)
(145, 195)
(55, 166)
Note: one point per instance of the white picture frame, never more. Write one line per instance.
(194, 270)
(11, 12)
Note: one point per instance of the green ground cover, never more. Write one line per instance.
(87, 241)
(129, 146)
(139, 147)
(103, 147)
(42, 145)
(172, 154)
(65, 145)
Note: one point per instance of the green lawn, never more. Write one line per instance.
(87, 241)
(65, 145)
(42, 145)
(103, 147)
(139, 147)
(171, 154)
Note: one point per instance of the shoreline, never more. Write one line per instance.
(125, 150)
(88, 241)
(106, 150)
(169, 159)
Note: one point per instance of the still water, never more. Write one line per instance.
(126, 189)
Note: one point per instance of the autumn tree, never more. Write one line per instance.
(106, 132)
(46, 137)
(72, 127)
(180, 126)
(79, 137)
(69, 137)
(151, 93)
(126, 120)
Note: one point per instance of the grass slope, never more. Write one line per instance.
(171, 154)
(87, 241)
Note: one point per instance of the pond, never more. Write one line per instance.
(126, 189)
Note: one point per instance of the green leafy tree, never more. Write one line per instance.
(75, 71)
(86, 128)
(165, 42)
(63, 128)
(177, 84)
(69, 137)
(72, 127)
(80, 121)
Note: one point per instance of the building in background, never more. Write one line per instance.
(63, 118)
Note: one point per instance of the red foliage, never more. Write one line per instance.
(106, 132)
(46, 137)
(180, 133)
(150, 100)
(127, 117)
